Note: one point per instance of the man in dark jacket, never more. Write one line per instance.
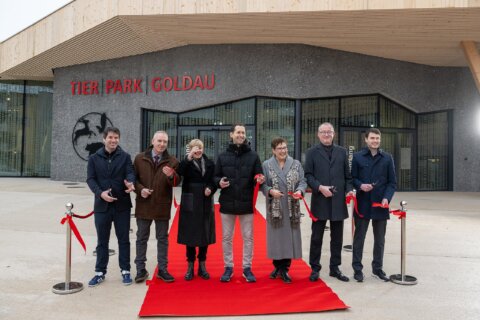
(111, 178)
(328, 175)
(374, 177)
(156, 177)
(235, 173)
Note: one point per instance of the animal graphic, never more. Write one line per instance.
(103, 123)
(85, 131)
(93, 147)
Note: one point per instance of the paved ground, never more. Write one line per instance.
(443, 253)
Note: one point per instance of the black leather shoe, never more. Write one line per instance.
(165, 276)
(189, 273)
(359, 276)
(314, 275)
(274, 274)
(339, 275)
(379, 274)
(141, 276)
(202, 271)
(285, 276)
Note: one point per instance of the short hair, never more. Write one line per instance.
(232, 128)
(278, 140)
(372, 130)
(195, 143)
(326, 124)
(111, 129)
(160, 132)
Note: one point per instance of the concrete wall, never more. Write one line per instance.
(290, 71)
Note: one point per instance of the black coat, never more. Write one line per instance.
(320, 170)
(240, 165)
(104, 172)
(196, 225)
(379, 170)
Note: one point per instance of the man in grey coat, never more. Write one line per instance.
(328, 175)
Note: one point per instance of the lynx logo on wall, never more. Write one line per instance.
(87, 135)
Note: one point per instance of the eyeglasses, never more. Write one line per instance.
(326, 133)
(281, 148)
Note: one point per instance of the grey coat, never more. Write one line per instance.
(319, 170)
(285, 241)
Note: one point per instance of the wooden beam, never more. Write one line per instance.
(473, 58)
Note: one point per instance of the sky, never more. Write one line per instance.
(16, 15)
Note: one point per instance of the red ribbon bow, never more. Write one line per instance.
(314, 219)
(68, 218)
(401, 214)
(353, 198)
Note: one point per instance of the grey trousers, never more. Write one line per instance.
(379, 230)
(246, 226)
(143, 234)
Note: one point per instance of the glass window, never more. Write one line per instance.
(242, 111)
(314, 113)
(359, 111)
(154, 121)
(392, 115)
(433, 151)
(11, 117)
(275, 118)
(38, 129)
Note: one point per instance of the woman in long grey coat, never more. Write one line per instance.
(283, 175)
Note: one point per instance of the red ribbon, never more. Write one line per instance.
(379, 205)
(401, 214)
(68, 218)
(84, 216)
(314, 219)
(353, 198)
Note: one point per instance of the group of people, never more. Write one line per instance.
(112, 177)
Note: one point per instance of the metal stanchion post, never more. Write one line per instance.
(349, 247)
(68, 286)
(402, 278)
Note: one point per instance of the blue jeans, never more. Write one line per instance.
(103, 224)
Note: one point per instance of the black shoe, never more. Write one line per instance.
(336, 273)
(202, 271)
(227, 275)
(141, 276)
(165, 276)
(358, 276)
(189, 273)
(379, 274)
(274, 274)
(314, 275)
(285, 276)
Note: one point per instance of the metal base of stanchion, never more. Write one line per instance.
(73, 287)
(348, 248)
(407, 280)
(111, 252)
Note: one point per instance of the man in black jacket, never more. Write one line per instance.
(111, 178)
(235, 173)
(328, 174)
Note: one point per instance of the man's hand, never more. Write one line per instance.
(130, 186)
(145, 193)
(107, 196)
(384, 202)
(224, 183)
(261, 179)
(350, 194)
(325, 190)
(168, 171)
(277, 194)
(366, 187)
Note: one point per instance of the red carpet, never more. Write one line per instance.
(212, 298)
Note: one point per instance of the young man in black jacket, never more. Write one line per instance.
(234, 174)
(111, 178)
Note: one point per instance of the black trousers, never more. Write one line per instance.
(282, 264)
(103, 224)
(379, 230)
(336, 242)
(192, 251)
